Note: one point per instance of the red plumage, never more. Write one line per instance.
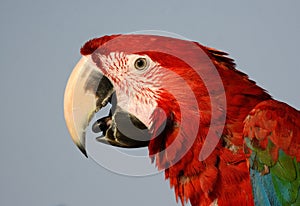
(278, 122)
(224, 176)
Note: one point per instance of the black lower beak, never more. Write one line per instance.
(121, 129)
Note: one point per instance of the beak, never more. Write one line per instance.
(82, 99)
(87, 91)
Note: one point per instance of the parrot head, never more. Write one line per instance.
(151, 89)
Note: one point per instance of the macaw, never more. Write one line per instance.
(220, 138)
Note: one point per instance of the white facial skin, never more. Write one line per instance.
(136, 82)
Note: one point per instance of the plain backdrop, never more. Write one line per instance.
(39, 46)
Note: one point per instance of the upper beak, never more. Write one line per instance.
(81, 100)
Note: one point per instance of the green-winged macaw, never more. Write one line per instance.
(220, 138)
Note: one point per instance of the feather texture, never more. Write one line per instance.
(256, 160)
(272, 132)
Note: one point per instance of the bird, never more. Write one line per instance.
(219, 137)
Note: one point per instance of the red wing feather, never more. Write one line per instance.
(277, 122)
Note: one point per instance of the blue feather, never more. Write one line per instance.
(263, 189)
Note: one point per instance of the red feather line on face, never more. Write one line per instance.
(224, 175)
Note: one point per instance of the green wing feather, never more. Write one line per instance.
(272, 134)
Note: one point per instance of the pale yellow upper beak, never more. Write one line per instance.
(80, 100)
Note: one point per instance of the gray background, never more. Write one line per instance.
(39, 46)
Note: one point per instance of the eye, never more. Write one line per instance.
(141, 63)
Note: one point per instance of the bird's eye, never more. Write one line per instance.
(141, 63)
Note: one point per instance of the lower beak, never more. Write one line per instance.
(82, 101)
